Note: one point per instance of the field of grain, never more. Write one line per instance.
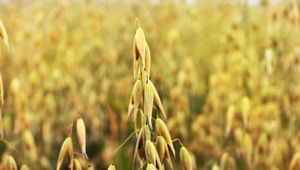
(77, 91)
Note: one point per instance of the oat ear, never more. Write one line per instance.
(152, 155)
(294, 162)
(3, 34)
(185, 159)
(1, 104)
(147, 61)
(1, 126)
(10, 163)
(215, 167)
(1, 91)
(76, 165)
(158, 100)
(150, 166)
(111, 167)
(135, 100)
(229, 119)
(148, 103)
(24, 167)
(161, 144)
(246, 106)
(162, 129)
(65, 151)
(81, 136)
(140, 46)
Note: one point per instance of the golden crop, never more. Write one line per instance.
(223, 91)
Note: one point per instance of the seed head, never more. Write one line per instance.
(76, 165)
(3, 34)
(66, 150)
(80, 129)
(111, 167)
(162, 130)
(185, 159)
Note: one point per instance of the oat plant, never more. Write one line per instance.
(67, 153)
(154, 148)
(4, 38)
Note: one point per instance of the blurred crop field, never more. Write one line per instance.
(227, 71)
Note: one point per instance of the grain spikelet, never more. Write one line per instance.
(76, 165)
(1, 91)
(157, 100)
(80, 129)
(246, 106)
(66, 150)
(1, 126)
(162, 130)
(150, 166)
(148, 61)
(111, 167)
(248, 146)
(29, 143)
(152, 155)
(135, 99)
(215, 167)
(91, 167)
(140, 43)
(229, 119)
(148, 102)
(185, 159)
(3, 34)
(161, 146)
(24, 167)
(10, 163)
(294, 164)
(139, 50)
(163, 150)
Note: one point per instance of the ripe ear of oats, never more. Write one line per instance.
(66, 150)
(295, 161)
(1, 126)
(248, 147)
(135, 99)
(91, 167)
(229, 119)
(24, 167)
(3, 34)
(148, 61)
(150, 166)
(161, 147)
(215, 167)
(148, 103)
(111, 167)
(157, 100)
(81, 136)
(10, 163)
(152, 155)
(162, 129)
(29, 143)
(1, 91)
(76, 165)
(140, 43)
(246, 106)
(185, 159)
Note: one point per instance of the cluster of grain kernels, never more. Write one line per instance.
(154, 148)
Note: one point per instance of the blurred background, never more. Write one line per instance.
(228, 73)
